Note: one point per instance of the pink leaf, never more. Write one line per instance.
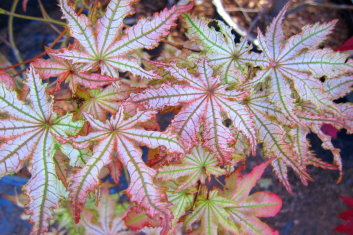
(8, 81)
(328, 129)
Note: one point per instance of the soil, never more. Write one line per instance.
(311, 209)
(297, 16)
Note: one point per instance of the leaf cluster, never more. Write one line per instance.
(224, 101)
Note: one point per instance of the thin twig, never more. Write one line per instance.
(330, 5)
(11, 35)
(197, 194)
(7, 43)
(46, 16)
(236, 9)
(38, 56)
(228, 19)
(317, 4)
(13, 14)
(245, 14)
(178, 46)
(126, 174)
(258, 17)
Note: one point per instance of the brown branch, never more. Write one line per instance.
(316, 4)
(38, 56)
(178, 46)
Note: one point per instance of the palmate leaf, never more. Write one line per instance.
(119, 138)
(136, 219)
(181, 201)
(338, 87)
(219, 47)
(78, 157)
(273, 137)
(8, 81)
(70, 73)
(205, 100)
(211, 210)
(233, 210)
(347, 109)
(293, 67)
(289, 145)
(249, 207)
(199, 165)
(109, 222)
(102, 101)
(103, 45)
(297, 137)
(28, 134)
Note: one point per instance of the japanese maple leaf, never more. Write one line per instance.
(77, 157)
(136, 219)
(234, 210)
(347, 215)
(109, 222)
(293, 66)
(251, 206)
(210, 209)
(120, 139)
(103, 44)
(338, 88)
(66, 71)
(205, 101)
(288, 145)
(27, 133)
(181, 201)
(100, 102)
(8, 81)
(199, 165)
(219, 47)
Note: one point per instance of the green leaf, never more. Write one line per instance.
(199, 165)
(211, 210)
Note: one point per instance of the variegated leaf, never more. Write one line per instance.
(78, 157)
(104, 47)
(290, 146)
(297, 137)
(211, 211)
(219, 47)
(338, 87)
(119, 138)
(293, 67)
(182, 201)
(347, 109)
(29, 133)
(327, 144)
(8, 81)
(70, 73)
(250, 206)
(273, 138)
(234, 210)
(199, 165)
(109, 219)
(103, 101)
(205, 100)
(324, 62)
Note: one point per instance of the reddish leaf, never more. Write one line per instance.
(330, 130)
(136, 219)
(347, 45)
(8, 81)
(346, 227)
